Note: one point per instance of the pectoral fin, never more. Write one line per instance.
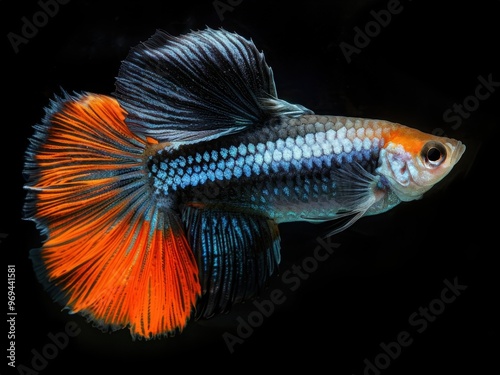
(356, 192)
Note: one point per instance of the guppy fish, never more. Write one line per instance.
(161, 203)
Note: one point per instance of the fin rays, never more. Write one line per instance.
(110, 252)
(202, 86)
(236, 252)
(113, 253)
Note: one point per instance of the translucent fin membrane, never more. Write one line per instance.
(237, 252)
(110, 253)
(197, 87)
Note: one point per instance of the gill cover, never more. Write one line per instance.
(413, 161)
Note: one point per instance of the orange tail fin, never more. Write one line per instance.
(109, 253)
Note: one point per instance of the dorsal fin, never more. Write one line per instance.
(196, 87)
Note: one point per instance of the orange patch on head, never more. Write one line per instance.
(412, 140)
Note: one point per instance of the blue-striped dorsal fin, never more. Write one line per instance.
(197, 87)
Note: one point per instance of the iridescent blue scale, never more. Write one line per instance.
(289, 170)
(225, 159)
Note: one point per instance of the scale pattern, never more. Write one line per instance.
(281, 167)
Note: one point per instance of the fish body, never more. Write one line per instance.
(292, 169)
(288, 172)
(163, 202)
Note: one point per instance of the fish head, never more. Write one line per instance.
(412, 161)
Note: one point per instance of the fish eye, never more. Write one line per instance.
(433, 154)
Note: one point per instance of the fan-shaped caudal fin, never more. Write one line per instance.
(109, 253)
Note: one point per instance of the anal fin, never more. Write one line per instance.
(236, 254)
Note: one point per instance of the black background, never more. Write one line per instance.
(426, 59)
